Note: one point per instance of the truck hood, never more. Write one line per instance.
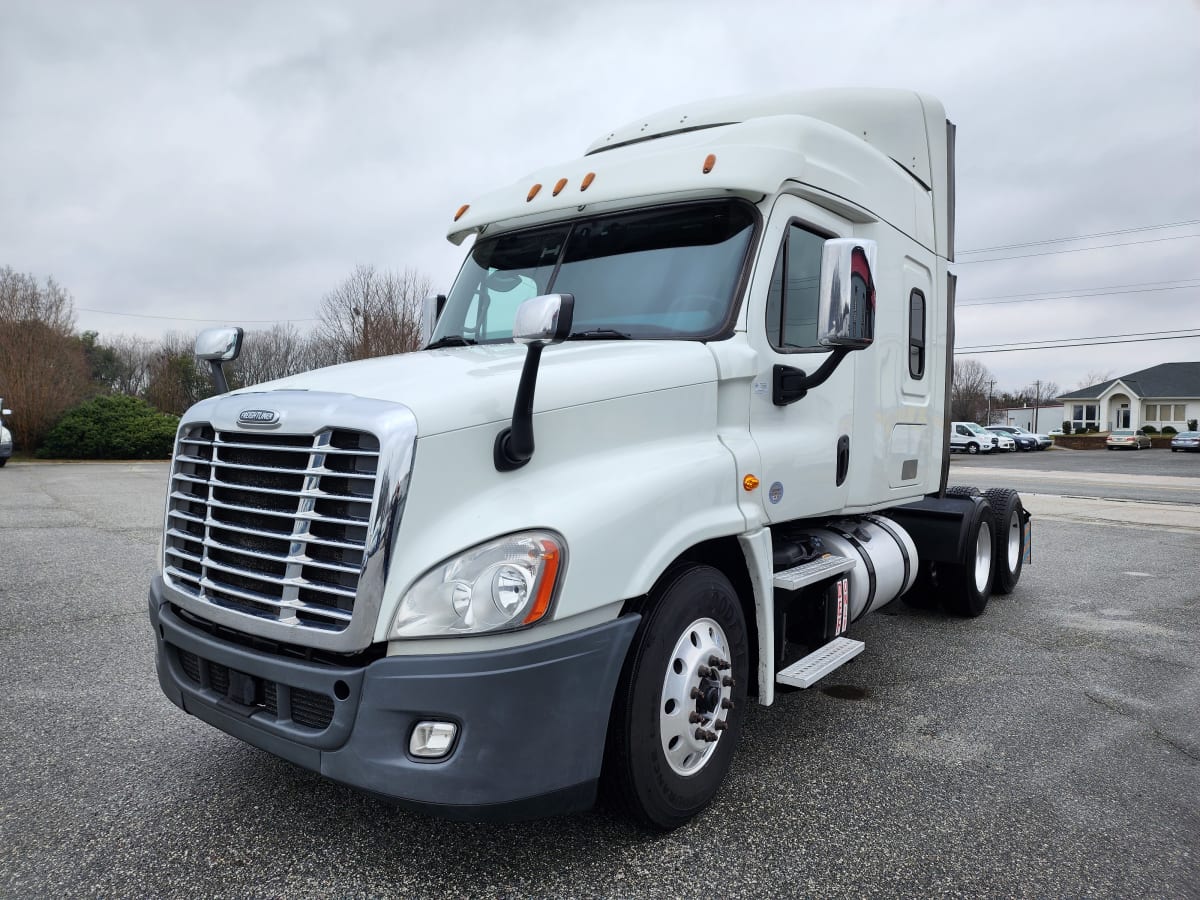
(465, 386)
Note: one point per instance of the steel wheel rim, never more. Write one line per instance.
(983, 557)
(680, 714)
(1014, 540)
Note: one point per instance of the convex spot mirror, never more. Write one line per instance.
(544, 320)
(846, 310)
(219, 344)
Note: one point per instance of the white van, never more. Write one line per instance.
(971, 438)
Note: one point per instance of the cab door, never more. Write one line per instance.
(805, 445)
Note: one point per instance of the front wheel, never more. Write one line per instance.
(678, 711)
(972, 448)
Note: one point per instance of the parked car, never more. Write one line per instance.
(1128, 440)
(1187, 441)
(5, 436)
(971, 438)
(1005, 443)
(1032, 441)
(1022, 440)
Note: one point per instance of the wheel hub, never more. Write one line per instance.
(696, 696)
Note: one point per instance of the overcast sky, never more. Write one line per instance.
(176, 162)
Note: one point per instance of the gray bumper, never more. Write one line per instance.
(532, 720)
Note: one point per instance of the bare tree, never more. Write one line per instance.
(969, 391)
(271, 353)
(43, 370)
(134, 355)
(175, 379)
(374, 313)
(1096, 376)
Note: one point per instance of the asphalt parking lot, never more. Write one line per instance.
(1049, 748)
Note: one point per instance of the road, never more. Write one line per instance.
(1049, 748)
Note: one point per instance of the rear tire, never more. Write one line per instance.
(656, 767)
(1009, 553)
(966, 586)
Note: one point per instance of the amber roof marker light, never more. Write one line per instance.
(709, 162)
(533, 192)
(587, 181)
(562, 183)
(461, 211)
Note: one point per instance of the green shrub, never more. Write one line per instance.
(1150, 429)
(1170, 429)
(1192, 425)
(111, 427)
(1066, 427)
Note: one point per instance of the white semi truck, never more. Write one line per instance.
(681, 424)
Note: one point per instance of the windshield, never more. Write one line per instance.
(668, 272)
(978, 429)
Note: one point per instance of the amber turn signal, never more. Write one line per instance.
(749, 483)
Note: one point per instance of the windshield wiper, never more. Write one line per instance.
(600, 334)
(451, 340)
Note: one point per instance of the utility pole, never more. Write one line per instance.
(1037, 399)
(991, 390)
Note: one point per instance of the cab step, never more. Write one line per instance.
(811, 572)
(810, 669)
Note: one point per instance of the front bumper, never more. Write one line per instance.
(6, 448)
(532, 720)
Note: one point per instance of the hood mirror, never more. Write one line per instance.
(219, 345)
(539, 321)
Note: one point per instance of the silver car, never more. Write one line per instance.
(1186, 441)
(1127, 440)
(5, 436)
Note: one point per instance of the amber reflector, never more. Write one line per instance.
(709, 162)
(562, 183)
(587, 181)
(541, 603)
(462, 209)
(533, 192)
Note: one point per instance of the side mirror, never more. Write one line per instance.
(539, 321)
(431, 311)
(846, 304)
(219, 345)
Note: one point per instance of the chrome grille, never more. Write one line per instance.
(272, 525)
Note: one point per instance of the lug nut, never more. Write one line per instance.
(695, 718)
(726, 704)
(706, 672)
(696, 694)
(720, 725)
(717, 663)
(727, 681)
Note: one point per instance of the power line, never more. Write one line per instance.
(1094, 292)
(1083, 237)
(1080, 343)
(1093, 337)
(1177, 237)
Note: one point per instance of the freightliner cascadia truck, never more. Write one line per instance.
(680, 425)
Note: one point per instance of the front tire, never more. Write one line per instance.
(675, 722)
(972, 448)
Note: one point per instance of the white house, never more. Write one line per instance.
(1039, 419)
(1166, 394)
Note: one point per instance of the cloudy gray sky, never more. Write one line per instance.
(173, 162)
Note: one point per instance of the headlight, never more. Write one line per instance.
(498, 586)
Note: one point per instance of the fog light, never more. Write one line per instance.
(432, 740)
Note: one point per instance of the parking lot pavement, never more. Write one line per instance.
(1049, 748)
